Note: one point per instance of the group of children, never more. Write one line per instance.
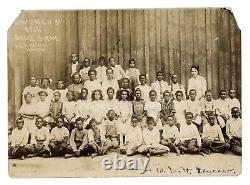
(107, 108)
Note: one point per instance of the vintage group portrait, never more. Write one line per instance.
(124, 93)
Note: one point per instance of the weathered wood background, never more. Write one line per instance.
(40, 43)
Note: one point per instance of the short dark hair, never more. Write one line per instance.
(195, 67)
(92, 70)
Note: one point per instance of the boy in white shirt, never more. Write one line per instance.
(109, 82)
(190, 140)
(45, 83)
(151, 138)
(175, 86)
(39, 141)
(119, 73)
(62, 90)
(19, 139)
(133, 137)
(92, 84)
(153, 107)
(170, 134)
(145, 89)
(69, 110)
(59, 138)
(212, 137)
(32, 89)
(84, 71)
(233, 101)
(234, 131)
(133, 73)
(101, 70)
(160, 85)
(180, 108)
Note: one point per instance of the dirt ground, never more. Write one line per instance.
(167, 165)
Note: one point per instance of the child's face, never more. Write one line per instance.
(79, 125)
(112, 62)
(92, 75)
(189, 119)
(39, 123)
(19, 124)
(110, 94)
(159, 76)
(45, 83)
(73, 58)
(170, 121)
(138, 95)
(211, 119)
(97, 95)
(77, 79)
(194, 72)
(166, 96)
(28, 98)
(179, 96)
(33, 81)
(109, 74)
(59, 122)
(150, 125)
(56, 96)
(232, 94)
(208, 96)
(111, 115)
(94, 125)
(125, 83)
(60, 85)
(192, 95)
(86, 62)
(101, 62)
(124, 95)
(152, 96)
(235, 112)
(142, 80)
(134, 122)
(174, 79)
(70, 96)
(84, 94)
(43, 96)
(132, 64)
(223, 95)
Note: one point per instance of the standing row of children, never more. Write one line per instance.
(107, 108)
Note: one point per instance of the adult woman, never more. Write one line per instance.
(197, 82)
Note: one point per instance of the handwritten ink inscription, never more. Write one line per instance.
(34, 35)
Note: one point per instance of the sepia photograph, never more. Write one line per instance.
(124, 93)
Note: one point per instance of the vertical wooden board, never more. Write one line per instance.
(80, 30)
(164, 41)
(232, 29)
(146, 41)
(109, 34)
(98, 33)
(208, 42)
(133, 33)
(201, 42)
(238, 61)
(176, 42)
(152, 44)
(188, 13)
(114, 34)
(60, 59)
(74, 31)
(226, 49)
(120, 37)
(140, 30)
(126, 38)
(171, 41)
(158, 41)
(103, 33)
(215, 52)
(221, 50)
(183, 46)
(195, 37)
(90, 32)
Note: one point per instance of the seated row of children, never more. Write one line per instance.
(95, 138)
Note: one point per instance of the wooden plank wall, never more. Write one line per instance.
(159, 39)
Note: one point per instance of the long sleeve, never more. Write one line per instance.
(221, 137)
(84, 140)
(33, 138)
(197, 135)
(52, 134)
(229, 134)
(72, 140)
(46, 132)
(103, 130)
